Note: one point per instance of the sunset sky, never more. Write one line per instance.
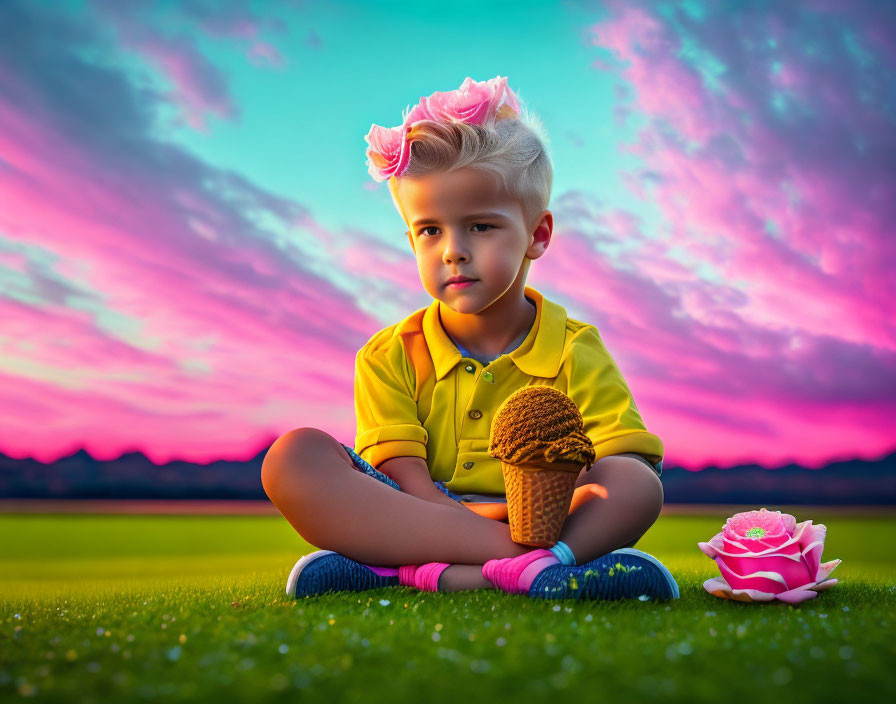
(192, 250)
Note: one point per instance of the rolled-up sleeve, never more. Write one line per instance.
(385, 410)
(612, 420)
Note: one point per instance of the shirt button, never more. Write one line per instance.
(476, 414)
(470, 368)
(467, 465)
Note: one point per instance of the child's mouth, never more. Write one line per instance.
(462, 284)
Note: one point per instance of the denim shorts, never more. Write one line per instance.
(363, 465)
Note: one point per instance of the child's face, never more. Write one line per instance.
(455, 237)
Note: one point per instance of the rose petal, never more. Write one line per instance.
(795, 596)
(508, 98)
(746, 546)
(774, 541)
(812, 545)
(791, 568)
(763, 581)
(752, 595)
(789, 523)
(737, 547)
(739, 596)
(825, 569)
(708, 548)
(716, 583)
(821, 586)
(388, 152)
(720, 588)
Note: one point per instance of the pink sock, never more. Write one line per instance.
(382, 571)
(516, 574)
(424, 577)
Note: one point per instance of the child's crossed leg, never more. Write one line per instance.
(312, 481)
(310, 478)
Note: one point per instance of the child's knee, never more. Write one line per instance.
(295, 452)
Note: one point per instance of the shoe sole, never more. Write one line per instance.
(333, 574)
(670, 580)
(574, 582)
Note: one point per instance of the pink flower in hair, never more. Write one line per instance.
(389, 152)
(475, 102)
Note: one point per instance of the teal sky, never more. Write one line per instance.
(363, 73)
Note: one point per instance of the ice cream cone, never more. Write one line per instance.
(538, 501)
(539, 436)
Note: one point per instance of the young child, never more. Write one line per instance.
(418, 501)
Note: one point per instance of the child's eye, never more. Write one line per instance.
(478, 224)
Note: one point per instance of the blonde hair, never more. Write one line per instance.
(515, 150)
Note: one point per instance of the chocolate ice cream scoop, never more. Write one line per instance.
(538, 425)
(539, 436)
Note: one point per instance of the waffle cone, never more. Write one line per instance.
(538, 502)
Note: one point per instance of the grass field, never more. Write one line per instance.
(192, 608)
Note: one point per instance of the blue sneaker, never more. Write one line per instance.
(327, 571)
(625, 573)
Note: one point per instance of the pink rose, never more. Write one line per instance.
(765, 555)
(389, 152)
(475, 102)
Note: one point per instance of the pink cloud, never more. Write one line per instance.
(262, 53)
(169, 322)
(199, 87)
(787, 351)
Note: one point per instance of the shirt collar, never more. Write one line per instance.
(538, 355)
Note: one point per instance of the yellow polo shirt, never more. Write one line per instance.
(415, 395)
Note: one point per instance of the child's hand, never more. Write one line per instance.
(586, 493)
(499, 512)
(496, 511)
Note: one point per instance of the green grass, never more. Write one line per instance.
(142, 608)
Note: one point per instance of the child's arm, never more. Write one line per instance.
(412, 475)
(611, 417)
